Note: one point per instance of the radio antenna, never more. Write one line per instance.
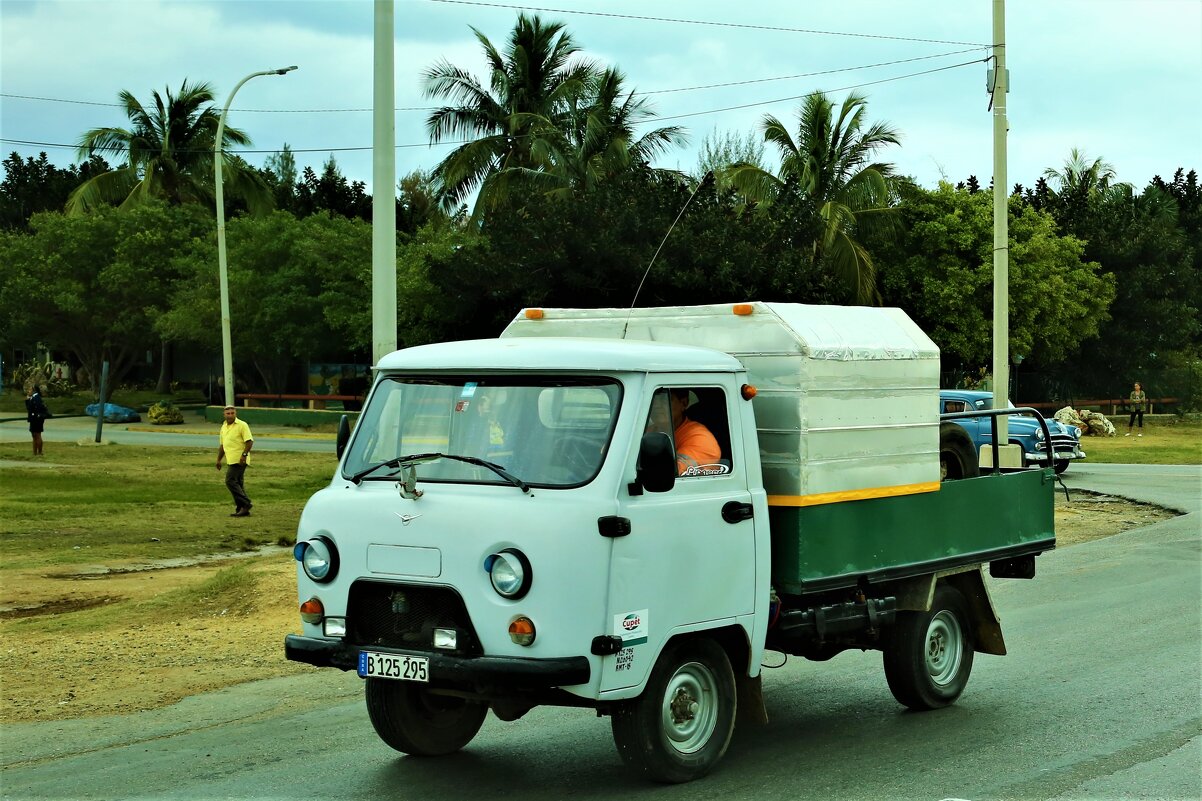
(708, 175)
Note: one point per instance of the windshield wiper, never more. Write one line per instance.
(416, 458)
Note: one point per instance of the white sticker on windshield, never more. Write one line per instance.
(469, 389)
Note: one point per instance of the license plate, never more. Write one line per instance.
(393, 666)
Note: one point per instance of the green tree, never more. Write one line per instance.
(168, 153)
(941, 273)
(830, 164)
(595, 250)
(280, 174)
(331, 192)
(32, 185)
(299, 292)
(97, 285)
(1150, 243)
(721, 151)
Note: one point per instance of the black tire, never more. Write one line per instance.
(1060, 466)
(681, 725)
(957, 455)
(928, 655)
(411, 719)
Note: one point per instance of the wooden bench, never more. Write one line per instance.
(1116, 405)
(251, 399)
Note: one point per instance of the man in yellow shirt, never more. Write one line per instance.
(234, 444)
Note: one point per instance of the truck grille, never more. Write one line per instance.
(405, 616)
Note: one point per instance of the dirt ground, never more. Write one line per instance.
(55, 669)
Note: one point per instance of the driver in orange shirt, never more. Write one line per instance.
(695, 444)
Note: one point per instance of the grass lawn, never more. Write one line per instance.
(118, 503)
(1165, 441)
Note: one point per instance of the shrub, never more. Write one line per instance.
(164, 413)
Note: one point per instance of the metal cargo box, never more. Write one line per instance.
(848, 396)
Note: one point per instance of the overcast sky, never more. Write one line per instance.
(1118, 78)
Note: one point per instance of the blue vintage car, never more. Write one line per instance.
(1024, 431)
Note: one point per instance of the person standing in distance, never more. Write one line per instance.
(36, 413)
(1138, 399)
(234, 444)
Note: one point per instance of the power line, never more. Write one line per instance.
(746, 26)
(643, 122)
(812, 74)
(746, 82)
(810, 94)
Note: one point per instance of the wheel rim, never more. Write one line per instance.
(944, 649)
(690, 708)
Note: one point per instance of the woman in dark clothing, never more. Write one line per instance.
(36, 412)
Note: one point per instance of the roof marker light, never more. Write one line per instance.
(742, 309)
(534, 314)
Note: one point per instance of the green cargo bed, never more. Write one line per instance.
(970, 521)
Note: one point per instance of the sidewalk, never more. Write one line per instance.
(194, 432)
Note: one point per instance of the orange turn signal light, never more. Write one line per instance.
(742, 309)
(534, 314)
(311, 611)
(521, 630)
(747, 391)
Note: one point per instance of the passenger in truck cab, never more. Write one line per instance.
(695, 444)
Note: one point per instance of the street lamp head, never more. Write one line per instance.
(285, 69)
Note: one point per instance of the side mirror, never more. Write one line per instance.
(656, 468)
(344, 435)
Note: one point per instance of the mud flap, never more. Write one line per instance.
(971, 585)
(917, 593)
(750, 694)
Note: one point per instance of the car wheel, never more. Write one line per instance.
(415, 721)
(957, 456)
(1060, 466)
(928, 655)
(679, 728)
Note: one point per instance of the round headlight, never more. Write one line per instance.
(510, 573)
(320, 559)
(1039, 433)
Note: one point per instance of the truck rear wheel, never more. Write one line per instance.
(928, 655)
(957, 455)
(681, 725)
(411, 719)
(1060, 466)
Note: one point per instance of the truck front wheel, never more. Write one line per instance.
(928, 655)
(679, 728)
(413, 720)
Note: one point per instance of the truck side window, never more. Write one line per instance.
(695, 417)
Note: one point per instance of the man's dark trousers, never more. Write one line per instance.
(233, 482)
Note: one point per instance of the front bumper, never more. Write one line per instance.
(446, 670)
(1060, 455)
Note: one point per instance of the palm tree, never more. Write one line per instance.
(600, 141)
(548, 121)
(829, 163)
(168, 151)
(1081, 177)
(530, 87)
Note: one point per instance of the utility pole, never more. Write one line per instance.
(383, 204)
(999, 86)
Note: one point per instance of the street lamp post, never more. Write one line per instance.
(227, 352)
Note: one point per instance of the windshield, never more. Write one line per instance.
(548, 432)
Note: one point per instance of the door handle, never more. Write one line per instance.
(737, 512)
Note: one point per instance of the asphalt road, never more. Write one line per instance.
(1100, 697)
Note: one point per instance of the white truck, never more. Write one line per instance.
(509, 525)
